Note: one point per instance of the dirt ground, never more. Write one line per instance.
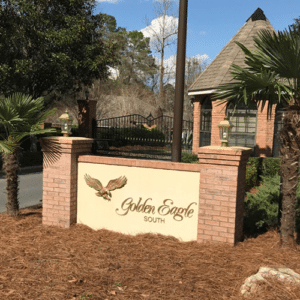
(46, 262)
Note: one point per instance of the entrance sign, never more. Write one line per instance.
(144, 200)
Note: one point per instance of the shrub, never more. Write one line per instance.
(271, 166)
(188, 157)
(261, 210)
(131, 136)
(28, 159)
(251, 177)
(254, 161)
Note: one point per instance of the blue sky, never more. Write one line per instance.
(211, 23)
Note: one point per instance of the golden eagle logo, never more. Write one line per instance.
(105, 192)
(149, 127)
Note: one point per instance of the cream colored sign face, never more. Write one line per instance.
(143, 200)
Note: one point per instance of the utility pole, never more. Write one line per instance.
(179, 84)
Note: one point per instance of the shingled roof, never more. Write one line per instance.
(218, 72)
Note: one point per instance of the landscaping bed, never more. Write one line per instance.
(45, 262)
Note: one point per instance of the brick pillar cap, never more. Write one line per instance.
(225, 150)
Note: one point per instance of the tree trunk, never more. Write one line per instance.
(161, 81)
(11, 168)
(290, 154)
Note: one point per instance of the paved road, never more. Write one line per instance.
(30, 190)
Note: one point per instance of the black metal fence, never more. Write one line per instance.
(139, 130)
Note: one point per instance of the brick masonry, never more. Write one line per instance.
(60, 179)
(222, 191)
(264, 129)
(221, 187)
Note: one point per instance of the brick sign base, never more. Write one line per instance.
(221, 186)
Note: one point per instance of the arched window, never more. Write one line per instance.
(244, 121)
(278, 124)
(205, 122)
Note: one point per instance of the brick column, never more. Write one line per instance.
(196, 126)
(264, 132)
(217, 115)
(87, 111)
(60, 179)
(222, 192)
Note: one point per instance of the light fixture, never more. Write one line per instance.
(66, 123)
(225, 130)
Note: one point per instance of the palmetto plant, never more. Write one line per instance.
(21, 116)
(272, 76)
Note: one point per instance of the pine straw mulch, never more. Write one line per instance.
(45, 262)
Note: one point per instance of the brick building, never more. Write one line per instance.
(252, 128)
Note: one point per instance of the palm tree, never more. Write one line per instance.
(21, 116)
(272, 76)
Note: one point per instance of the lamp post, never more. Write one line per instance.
(66, 123)
(225, 130)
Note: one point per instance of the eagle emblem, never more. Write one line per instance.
(149, 127)
(105, 192)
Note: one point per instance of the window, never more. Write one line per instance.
(205, 122)
(243, 120)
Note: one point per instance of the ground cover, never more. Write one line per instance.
(44, 263)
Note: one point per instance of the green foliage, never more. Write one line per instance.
(261, 210)
(251, 177)
(271, 166)
(132, 136)
(137, 63)
(188, 158)
(254, 161)
(261, 167)
(28, 159)
(51, 45)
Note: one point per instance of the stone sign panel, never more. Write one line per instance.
(134, 200)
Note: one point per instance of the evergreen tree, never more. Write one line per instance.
(51, 45)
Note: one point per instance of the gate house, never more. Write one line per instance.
(251, 128)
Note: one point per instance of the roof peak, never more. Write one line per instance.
(258, 15)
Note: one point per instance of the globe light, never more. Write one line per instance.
(66, 123)
(225, 130)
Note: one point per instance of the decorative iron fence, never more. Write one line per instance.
(138, 130)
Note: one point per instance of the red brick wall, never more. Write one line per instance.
(196, 126)
(218, 115)
(60, 180)
(221, 186)
(222, 191)
(264, 131)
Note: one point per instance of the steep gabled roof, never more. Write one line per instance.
(218, 72)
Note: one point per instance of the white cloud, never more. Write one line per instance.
(161, 27)
(201, 58)
(170, 65)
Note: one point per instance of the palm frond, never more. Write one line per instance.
(21, 116)
(260, 82)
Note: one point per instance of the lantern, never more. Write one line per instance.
(225, 130)
(66, 123)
